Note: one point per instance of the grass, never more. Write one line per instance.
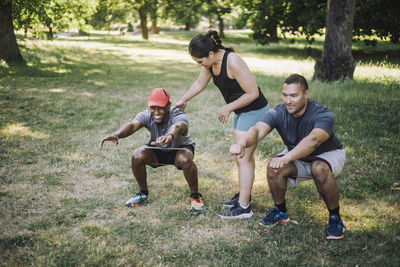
(62, 199)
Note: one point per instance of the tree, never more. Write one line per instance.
(153, 15)
(9, 50)
(267, 17)
(290, 16)
(298, 22)
(383, 22)
(25, 14)
(218, 8)
(112, 11)
(55, 15)
(143, 22)
(186, 12)
(143, 9)
(336, 61)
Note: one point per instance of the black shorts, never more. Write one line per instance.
(167, 157)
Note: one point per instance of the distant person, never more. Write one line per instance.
(312, 151)
(242, 96)
(169, 143)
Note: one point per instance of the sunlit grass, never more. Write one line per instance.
(19, 130)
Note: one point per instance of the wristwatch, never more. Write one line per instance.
(171, 136)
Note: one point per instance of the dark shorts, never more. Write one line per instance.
(167, 157)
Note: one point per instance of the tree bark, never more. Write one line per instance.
(9, 50)
(154, 28)
(188, 25)
(336, 61)
(221, 26)
(143, 23)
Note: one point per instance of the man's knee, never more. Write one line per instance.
(288, 170)
(320, 171)
(138, 157)
(184, 161)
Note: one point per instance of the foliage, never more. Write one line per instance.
(298, 20)
(307, 18)
(183, 12)
(218, 11)
(56, 15)
(62, 199)
(383, 21)
(270, 20)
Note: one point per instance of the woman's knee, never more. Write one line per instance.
(247, 159)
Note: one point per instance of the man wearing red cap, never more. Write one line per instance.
(170, 144)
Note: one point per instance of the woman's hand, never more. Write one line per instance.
(224, 113)
(181, 105)
(237, 150)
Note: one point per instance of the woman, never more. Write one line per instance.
(242, 95)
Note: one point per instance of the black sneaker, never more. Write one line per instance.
(233, 201)
(236, 212)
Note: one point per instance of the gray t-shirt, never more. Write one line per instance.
(293, 130)
(156, 130)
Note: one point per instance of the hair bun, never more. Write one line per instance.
(214, 36)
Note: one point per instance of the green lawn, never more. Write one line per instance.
(62, 199)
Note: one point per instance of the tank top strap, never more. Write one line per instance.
(224, 70)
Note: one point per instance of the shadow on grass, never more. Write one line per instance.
(295, 48)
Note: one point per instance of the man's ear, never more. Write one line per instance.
(307, 93)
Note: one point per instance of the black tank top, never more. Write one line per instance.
(231, 90)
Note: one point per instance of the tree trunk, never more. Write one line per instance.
(221, 26)
(187, 26)
(336, 61)
(143, 23)
(154, 28)
(9, 50)
(50, 35)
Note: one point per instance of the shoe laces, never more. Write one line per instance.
(334, 223)
(334, 220)
(273, 213)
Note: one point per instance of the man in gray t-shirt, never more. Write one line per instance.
(312, 151)
(170, 144)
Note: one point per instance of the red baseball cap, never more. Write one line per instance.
(158, 97)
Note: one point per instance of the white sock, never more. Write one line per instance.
(244, 207)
